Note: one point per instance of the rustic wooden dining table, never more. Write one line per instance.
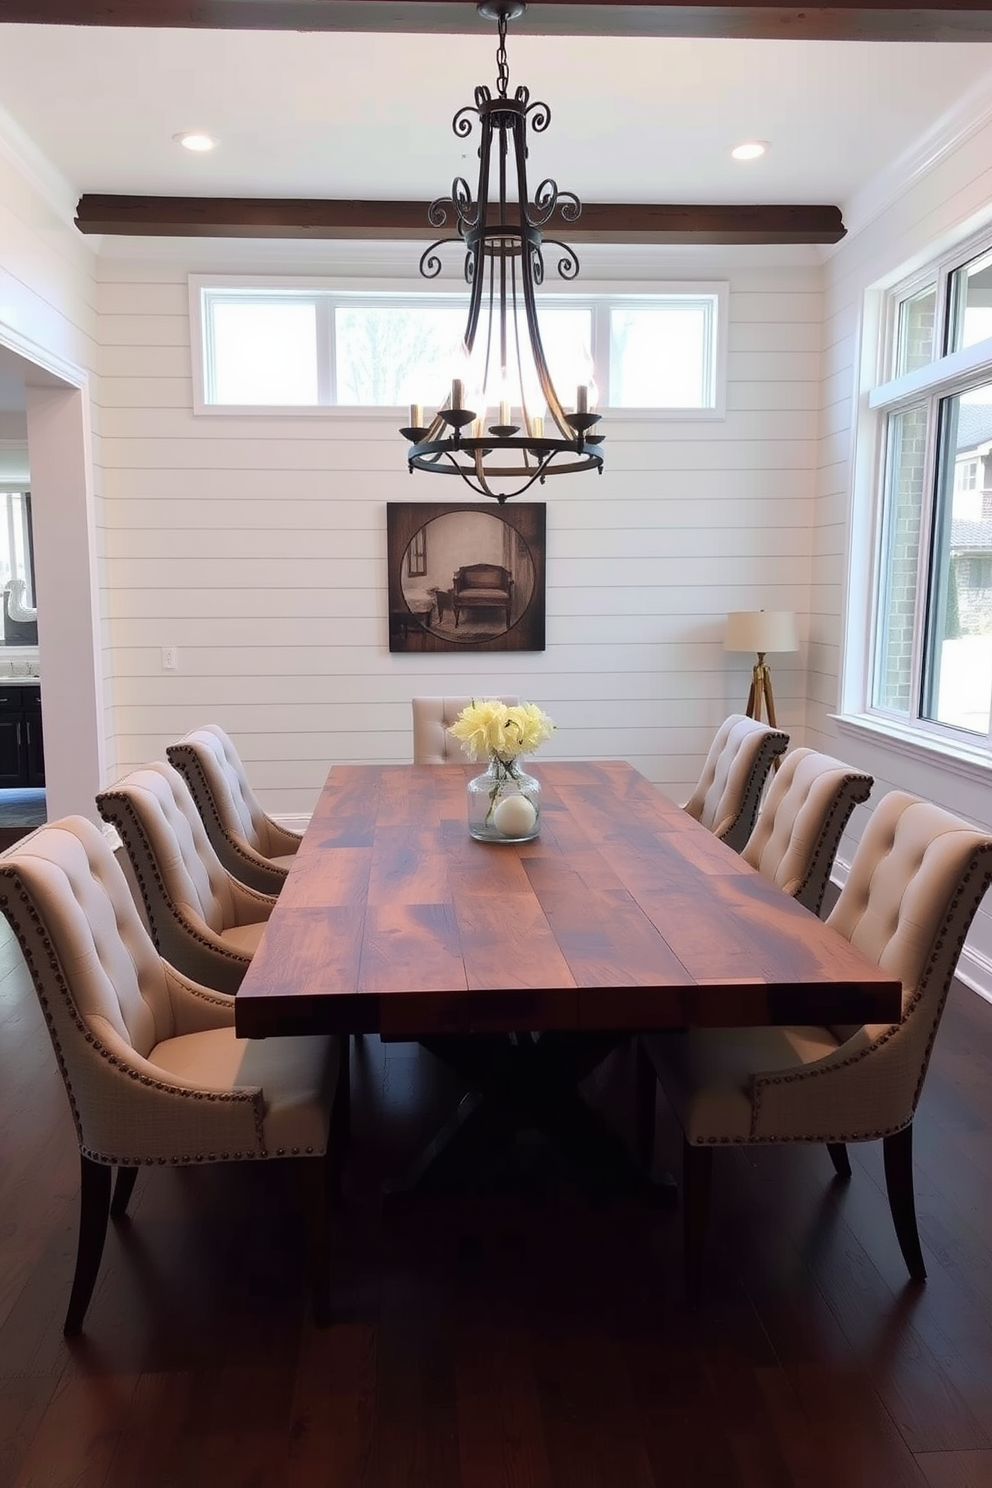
(526, 964)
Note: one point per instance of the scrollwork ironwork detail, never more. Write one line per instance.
(568, 266)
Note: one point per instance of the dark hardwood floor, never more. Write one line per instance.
(529, 1340)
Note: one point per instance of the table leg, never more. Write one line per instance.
(525, 1093)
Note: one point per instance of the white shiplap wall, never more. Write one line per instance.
(945, 203)
(257, 546)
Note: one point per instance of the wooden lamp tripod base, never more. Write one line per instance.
(760, 696)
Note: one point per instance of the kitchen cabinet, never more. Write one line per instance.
(22, 754)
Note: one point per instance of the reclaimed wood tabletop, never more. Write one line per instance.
(623, 914)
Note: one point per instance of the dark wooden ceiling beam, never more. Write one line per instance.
(601, 222)
(965, 20)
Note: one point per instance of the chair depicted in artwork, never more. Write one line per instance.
(795, 838)
(728, 793)
(482, 586)
(916, 880)
(251, 846)
(203, 919)
(153, 1070)
(432, 717)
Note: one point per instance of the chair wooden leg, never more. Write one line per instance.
(840, 1159)
(314, 1175)
(697, 1172)
(123, 1189)
(898, 1154)
(645, 1093)
(94, 1211)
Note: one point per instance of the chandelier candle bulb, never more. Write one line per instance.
(457, 392)
(537, 427)
(504, 413)
(416, 416)
(582, 398)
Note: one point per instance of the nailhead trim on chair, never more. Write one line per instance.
(218, 946)
(847, 804)
(186, 760)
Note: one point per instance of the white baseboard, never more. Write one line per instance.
(296, 822)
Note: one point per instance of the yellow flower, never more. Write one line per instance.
(491, 728)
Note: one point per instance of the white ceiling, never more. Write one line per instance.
(352, 115)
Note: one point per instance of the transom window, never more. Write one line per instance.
(931, 663)
(284, 347)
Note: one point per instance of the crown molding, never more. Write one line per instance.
(971, 114)
(36, 169)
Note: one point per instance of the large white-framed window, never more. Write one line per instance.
(929, 671)
(301, 347)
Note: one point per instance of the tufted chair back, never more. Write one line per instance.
(153, 1069)
(799, 827)
(728, 792)
(249, 844)
(202, 919)
(120, 990)
(432, 717)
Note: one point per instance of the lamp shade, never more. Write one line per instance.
(761, 630)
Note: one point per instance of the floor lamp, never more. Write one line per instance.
(761, 631)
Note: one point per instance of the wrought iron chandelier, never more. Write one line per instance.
(505, 378)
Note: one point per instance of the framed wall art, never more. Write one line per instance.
(466, 577)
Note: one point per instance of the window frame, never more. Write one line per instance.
(329, 294)
(946, 375)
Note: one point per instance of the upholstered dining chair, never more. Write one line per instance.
(432, 717)
(203, 919)
(728, 792)
(807, 806)
(153, 1070)
(916, 880)
(248, 842)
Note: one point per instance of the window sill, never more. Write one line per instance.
(971, 762)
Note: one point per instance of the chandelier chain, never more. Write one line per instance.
(502, 64)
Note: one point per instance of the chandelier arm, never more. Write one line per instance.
(430, 264)
(568, 266)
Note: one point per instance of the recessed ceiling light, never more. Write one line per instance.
(749, 150)
(195, 139)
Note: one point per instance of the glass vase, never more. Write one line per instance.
(504, 803)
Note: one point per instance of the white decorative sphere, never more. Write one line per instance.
(514, 816)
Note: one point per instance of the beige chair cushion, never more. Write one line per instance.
(249, 843)
(708, 1073)
(799, 827)
(296, 1076)
(432, 717)
(243, 937)
(728, 792)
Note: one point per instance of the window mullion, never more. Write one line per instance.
(325, 325)
(926, 576)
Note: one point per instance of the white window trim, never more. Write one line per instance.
(597, 295)
(915, 738)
